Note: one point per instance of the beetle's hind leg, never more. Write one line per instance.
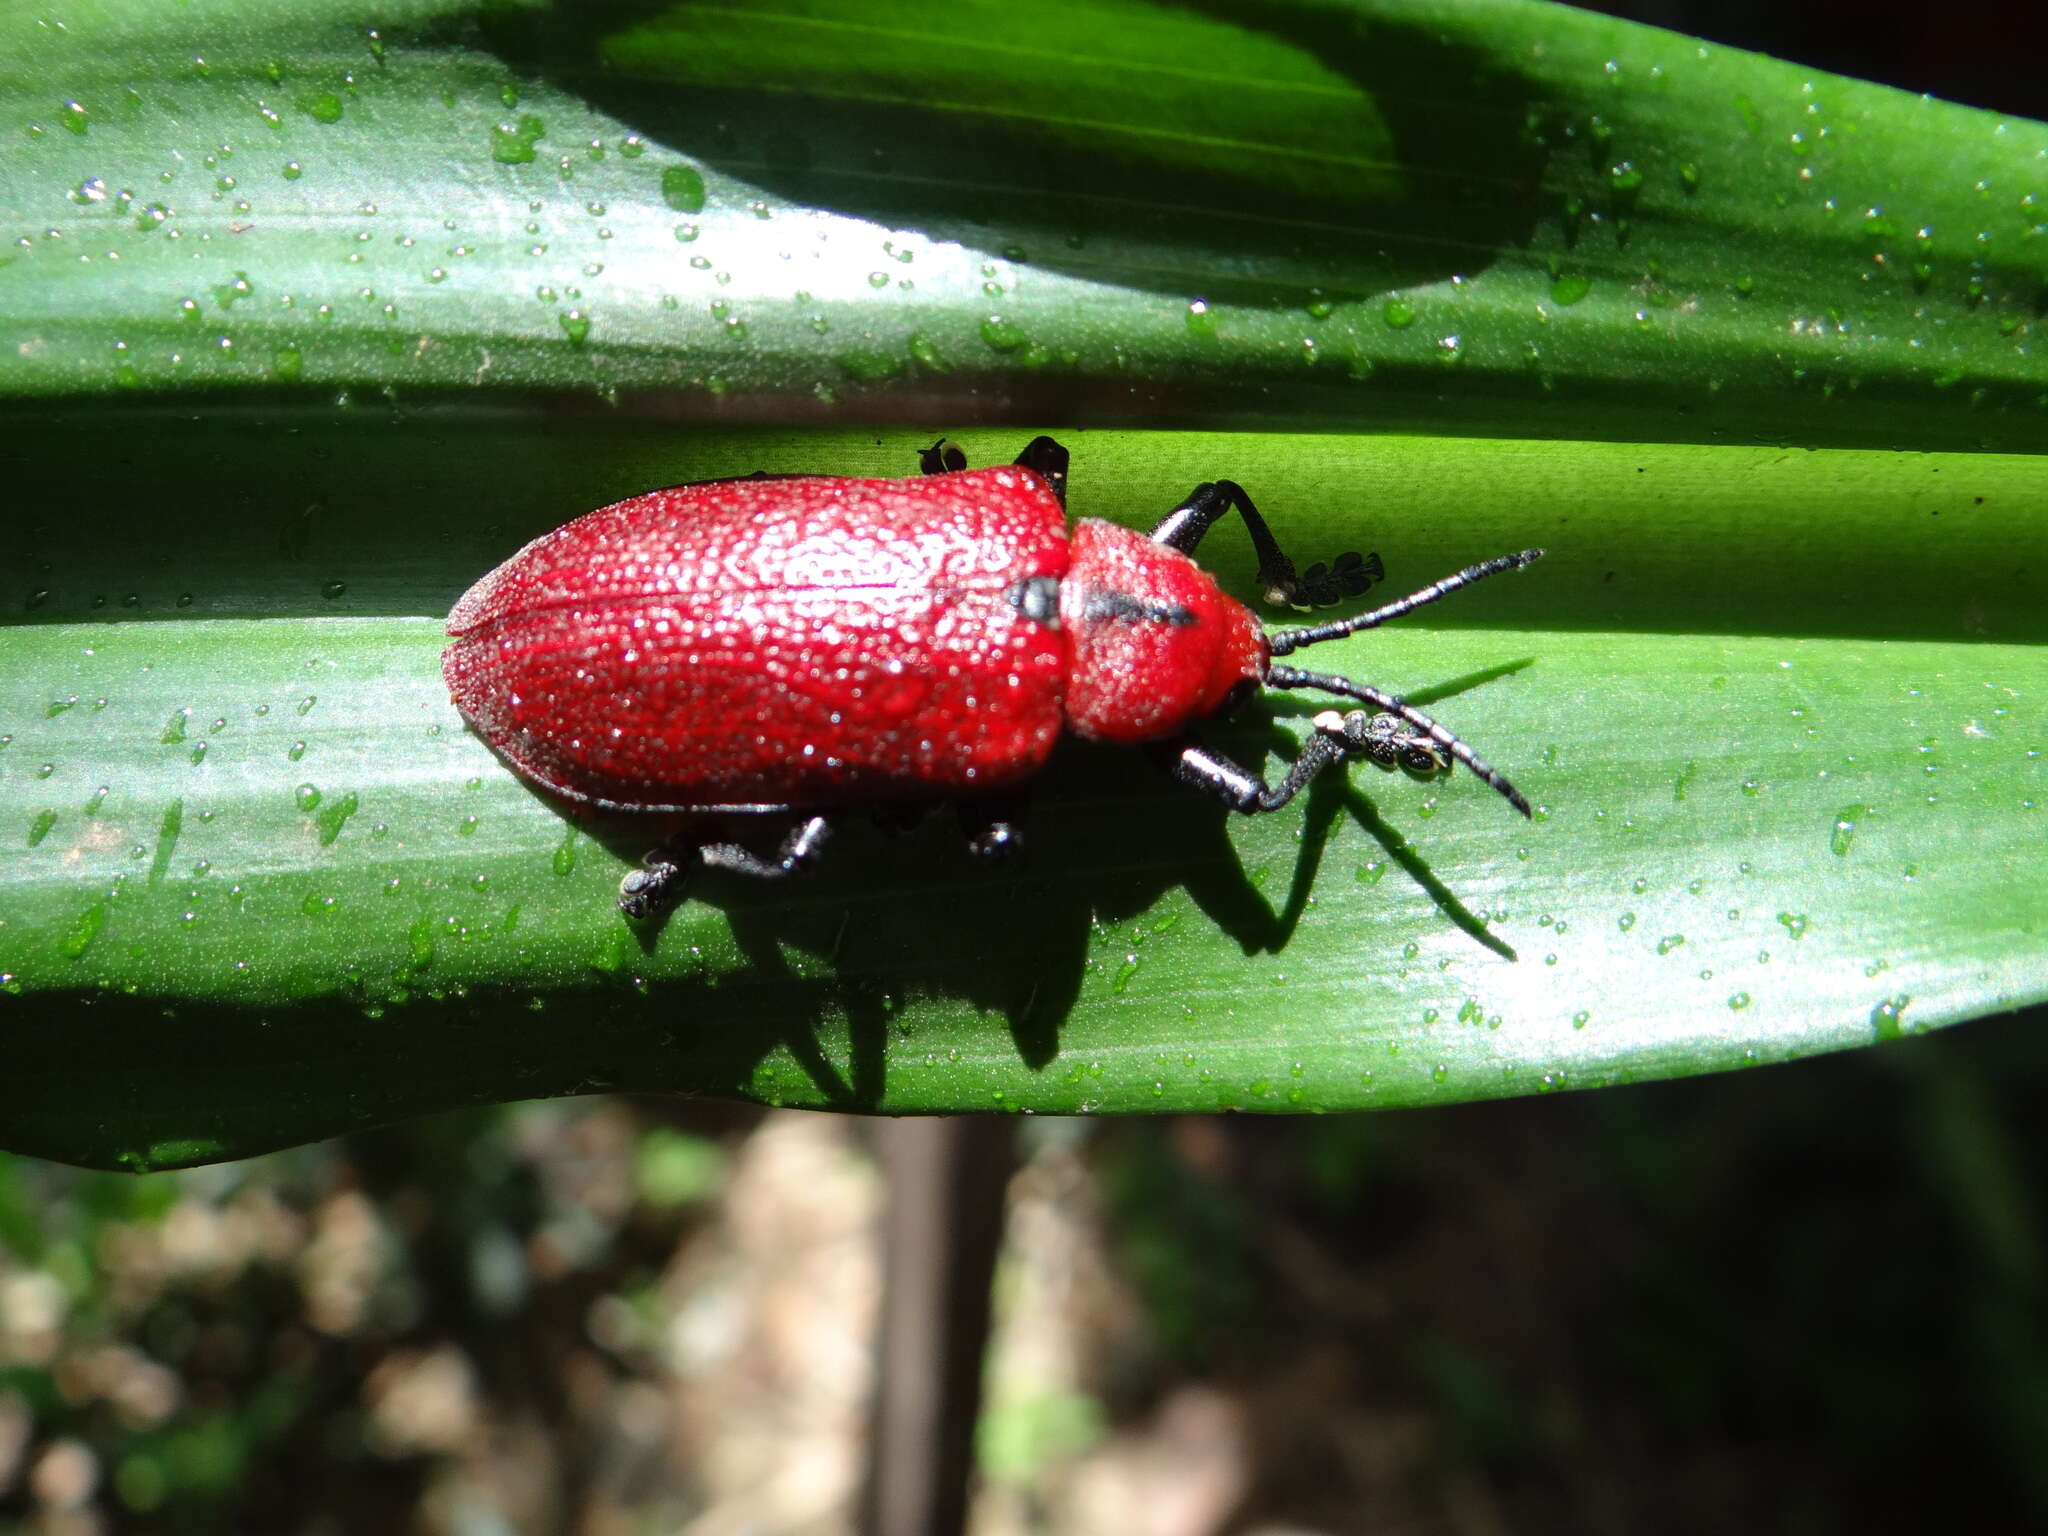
(659, 883)
(1349, 575)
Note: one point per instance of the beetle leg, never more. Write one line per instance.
(654, 887)
(1049, 461)
(1242, 790)
(1041, 455)
(991, 827)
(659, 884)
(1388, 740)
(1347, 576)
(799, 851)
(943, 457)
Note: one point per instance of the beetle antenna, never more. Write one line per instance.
(1365, 693)
(1283, 641)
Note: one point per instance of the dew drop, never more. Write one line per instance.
(682, 188)
(1884, 1018)
(1843, 834)
(84, 929)
(1002, 335)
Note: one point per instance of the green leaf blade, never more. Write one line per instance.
(428, 932)
(1505, 217)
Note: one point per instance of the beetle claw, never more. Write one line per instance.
(1388, 740)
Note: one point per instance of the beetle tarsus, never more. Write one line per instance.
(1182, 529)
(1349, 575)
(1381, 700)
(1388, 740)
(654, 887)
(659, 883)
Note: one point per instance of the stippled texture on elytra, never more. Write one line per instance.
(808, 641)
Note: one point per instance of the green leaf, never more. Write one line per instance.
(1489, 215)
(259, 884)
(1788, 780)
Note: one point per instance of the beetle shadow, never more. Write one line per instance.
(814, 1010)
(1260, 927)
(830, 959)
(1464, 682)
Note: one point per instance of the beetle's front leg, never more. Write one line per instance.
(1048, 460)
(1318, 587)
(1241, 789)
(659, 883)
(1387, 740)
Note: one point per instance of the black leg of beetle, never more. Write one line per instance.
(1183, 527)
(1242, 790)
(992, 827)
(942, 458)
(1049, 459)
(799, 851)
(1388, 740)
(659, 884)
(1380, 699)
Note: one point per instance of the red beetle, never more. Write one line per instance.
(798, 644)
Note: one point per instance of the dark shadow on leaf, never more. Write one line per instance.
(405, 530)
(813, 1011)
(1250, 153)
(1402, 852)
(1422, 698)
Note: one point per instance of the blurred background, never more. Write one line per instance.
(1805, 1299)
(1801, 1299)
